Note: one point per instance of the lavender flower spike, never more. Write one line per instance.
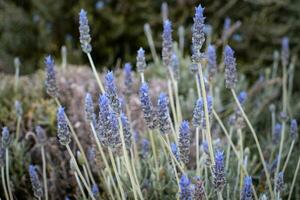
(89, 108)
(63, 132)
(163, 114)
(199, 193)
(294, 129)
(185, 188)
(126, 130)
(247, 189)
(145, 147)
(111, 92)
(141, 61)
(242, 97)
(279, 182)
(128, 79)
(230, 67)
(277, 133)
(147, 107)
(95, 191)
(211, 61)
(41, 135)
(35, 182)
(198, 36)
(175, 66)
(219, 179)
(6, 139)
(285, 51)
(198, 114)
(167, 43)
(84, 30)
(50, 82)
(184, 142)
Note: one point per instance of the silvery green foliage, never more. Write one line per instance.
(63, 132)
(35, 182)
(230, 67)
(6, 139)
(50, 82)
(84, 30)
(184, 142)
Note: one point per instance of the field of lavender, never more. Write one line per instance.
(177, 126)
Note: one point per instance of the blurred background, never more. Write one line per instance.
(31, 29)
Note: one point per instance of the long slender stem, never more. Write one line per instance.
(95, 73)
(86, 175)
(197, 153)
(234, 149)
(178, 105)
(257, 143)
(79, 173)
(207, 122)
(147, 30)
(228, 150)
(154, 153)
(173, 107)
(220, 196)
(288, 156)
(77, 142)
(105, 161)
(7, 174)
(242, 156)
(44, 172)
(135, 186)
(294, 179)
(4, 184)
(80, 185)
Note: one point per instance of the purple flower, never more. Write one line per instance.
(141, 61)
(50, 81)
(219, 179)
(198, 36)
(128, 79)
(95, 191)
(126, 130)
(84, 30)
(41, 134)
(226, 28)
(199, 193)
(277, 133)
(163, 114)
(5, 137)
(35, 182)
(247, 189)
(175, 150)
(211, 61)
(242, 97)
(145, 147)
(198, 114)
(285, 51)
(279, 182)
(230, 67)
(146, 104)
(63, 132)
(185, 188)
(89, 108)
(184, 142)
(111, 92)
(175, 66)
(167, 43)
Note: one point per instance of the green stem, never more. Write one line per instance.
(154, 153)
(207, 122)
(44, 172)
(79, 173)
(95, 73)
(80, 185)
(197, 153)
(7, 174)
(4, 184)
(257, 143)
(147, 30)
(106, 162)
(18, 128)
(288, 156)
(294, 179)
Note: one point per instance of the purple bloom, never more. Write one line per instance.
(167, 43)
(63, 132)
(198, 36)
(185, 188)
(198, 114)
(50, 82)
(141, 61)
(35, 182)
(199, 193)
(184, 142)
(163, 114)
(84, 30)
(175, 150)
(285, 51)
(175, 66)
(111, 92)
(219, 179)
(277, 133)
(89, 108)
(146, 104)
(247, 189)
(95, 190)
(242, 97)
(294, 129)
(41, 134)
(5, 137)
(279, 182)
(211, 61)
(230, 67)
(145, 147)
(126, 130)
(226, 28)
(128, 79)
